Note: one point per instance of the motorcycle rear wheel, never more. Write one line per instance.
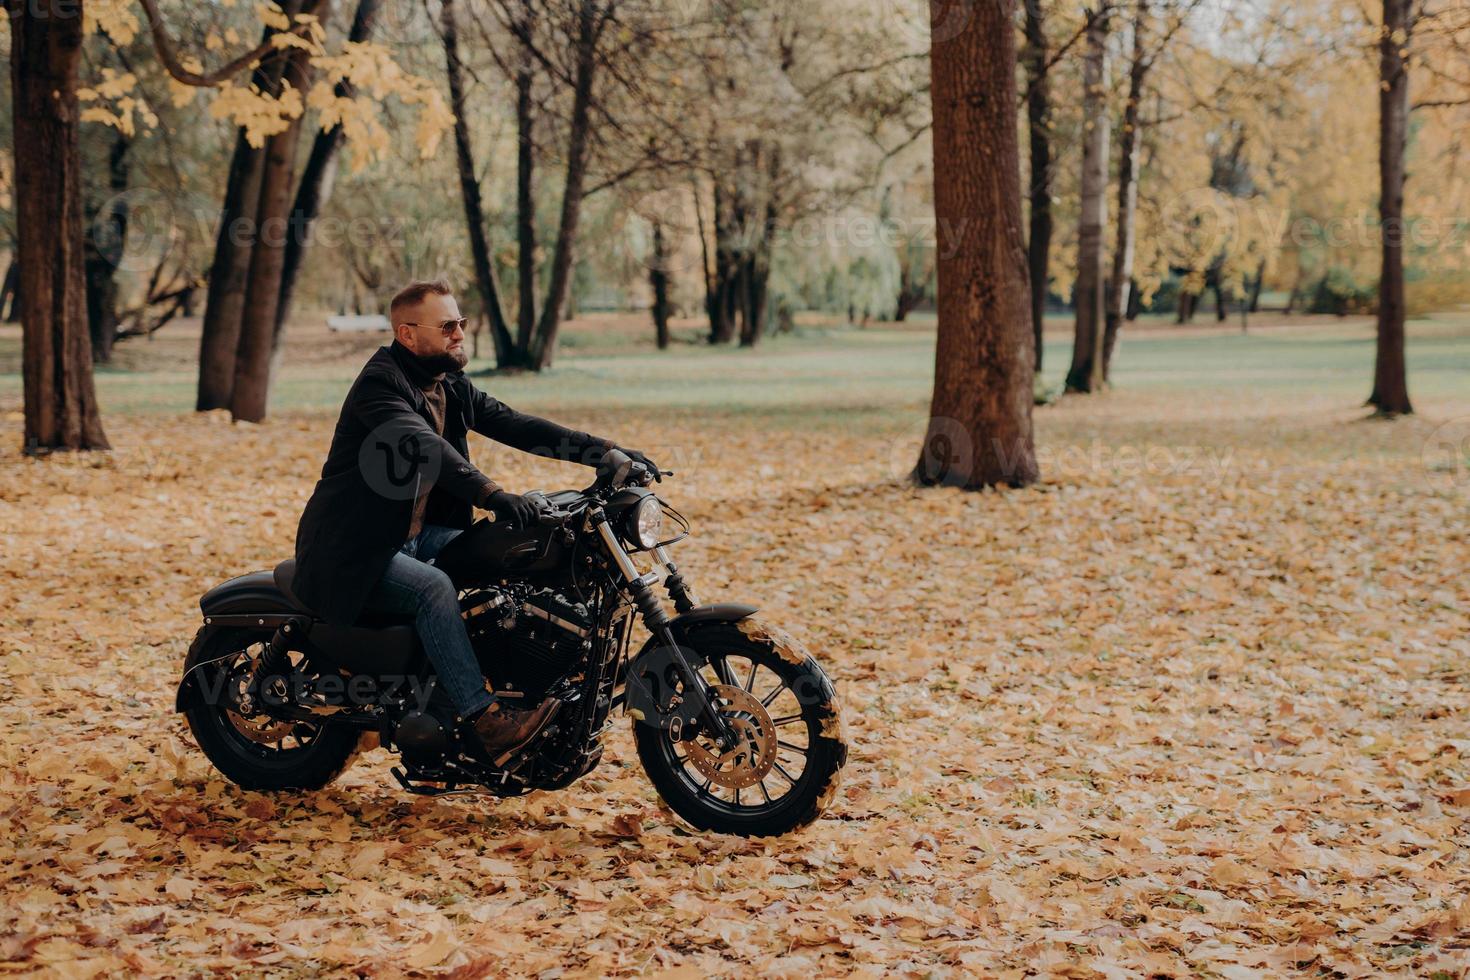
(259, 752)
(785, 772)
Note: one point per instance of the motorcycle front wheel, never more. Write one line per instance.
(783, 772)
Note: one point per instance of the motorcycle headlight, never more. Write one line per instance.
(646, 523)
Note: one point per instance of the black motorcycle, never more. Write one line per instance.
(736, 725)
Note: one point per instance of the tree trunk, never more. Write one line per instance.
(253, 358)
(1254, 300)
(525, 205)
(11, 312)
(59, 395)
(1038, 118)
(224, 304)
(469, 186)
(911, 289)
(1390, 375)
(979, 430)
(1086, 372)
(658, 280)
(758, 273)
(722, 305)
(106, 233)
(317, 180)
(706, 272)
(543, 346)
(1120, 292)
(1186, 308)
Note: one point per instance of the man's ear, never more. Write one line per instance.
(403, 334)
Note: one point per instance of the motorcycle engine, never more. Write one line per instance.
(526, 642)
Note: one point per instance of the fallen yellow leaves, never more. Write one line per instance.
(1112, 727)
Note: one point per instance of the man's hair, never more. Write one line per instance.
(416, 291)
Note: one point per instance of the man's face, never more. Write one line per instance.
(418, 328)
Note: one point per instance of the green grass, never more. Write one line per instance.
(832, 373)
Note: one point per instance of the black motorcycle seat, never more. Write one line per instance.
(379, 643)
(284, 575)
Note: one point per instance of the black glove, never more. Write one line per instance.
(521, 511)
(643, 461)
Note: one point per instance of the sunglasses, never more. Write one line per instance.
(448, 327)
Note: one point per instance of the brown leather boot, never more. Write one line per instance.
(503, 730)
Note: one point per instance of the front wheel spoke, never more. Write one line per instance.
(782, 770)
(766, 701)
(785, 720)
(764, 792)
(799, 749)
(737, 795)
(750, 681)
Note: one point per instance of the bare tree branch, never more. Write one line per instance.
(170, 58)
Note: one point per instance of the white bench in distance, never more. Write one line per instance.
(364, 323)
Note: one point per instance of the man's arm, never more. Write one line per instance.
(532, 434)
(400, 441)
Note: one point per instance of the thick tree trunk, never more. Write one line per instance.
(1086, 372)
(1120, 292)
(469, 185)
(59, 397)
(1390, 374)
(251, 390)
(106, 233)
(224, 304)
(1038, 118)
(979, 430)
(317, 179)
(543, 345)
(658, 280)
(525, 205)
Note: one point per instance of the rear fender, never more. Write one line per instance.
(190, 693)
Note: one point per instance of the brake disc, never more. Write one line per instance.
(259, 727)
(754, 752)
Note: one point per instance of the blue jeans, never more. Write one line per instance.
(411, 586)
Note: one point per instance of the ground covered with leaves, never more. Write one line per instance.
(1195, 706)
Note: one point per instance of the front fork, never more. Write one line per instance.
(640, 588)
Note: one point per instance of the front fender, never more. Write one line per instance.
(714, 614)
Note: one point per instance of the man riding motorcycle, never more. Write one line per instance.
(397, 486)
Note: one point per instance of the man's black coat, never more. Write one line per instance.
(384, 451)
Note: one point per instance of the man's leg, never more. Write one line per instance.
(411, 587)
(432, 539)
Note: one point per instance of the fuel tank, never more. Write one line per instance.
(488, 552)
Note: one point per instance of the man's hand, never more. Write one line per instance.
(514, 507)
(643, 461)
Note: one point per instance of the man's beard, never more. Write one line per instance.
(448, 361)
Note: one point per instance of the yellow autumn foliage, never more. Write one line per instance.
(370, 68)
